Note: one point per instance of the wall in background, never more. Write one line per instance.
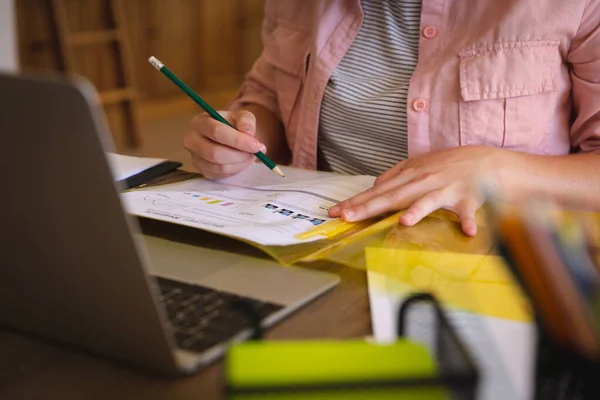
(8, 36)
(210, 44)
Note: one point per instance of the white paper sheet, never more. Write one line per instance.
(267, 214)
(503, 349)
(260, 175)
(125, 166)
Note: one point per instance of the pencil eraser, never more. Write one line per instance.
(155, 63)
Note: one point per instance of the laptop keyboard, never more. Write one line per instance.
(202, 317)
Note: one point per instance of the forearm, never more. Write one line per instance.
(270, 131)
(571, 179)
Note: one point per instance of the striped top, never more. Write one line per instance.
(362, 128)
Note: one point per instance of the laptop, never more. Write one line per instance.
(78, 270)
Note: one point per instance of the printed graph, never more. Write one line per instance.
(210, 200)
(162, 203)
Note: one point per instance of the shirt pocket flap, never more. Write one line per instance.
(509, 69)
(287, 49)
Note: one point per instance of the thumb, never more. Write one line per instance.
(465, 211)
(244, 121)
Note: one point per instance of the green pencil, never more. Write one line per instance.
(161, 67)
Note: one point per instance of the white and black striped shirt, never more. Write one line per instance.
(363, 114)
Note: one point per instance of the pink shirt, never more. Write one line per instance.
(522, 74)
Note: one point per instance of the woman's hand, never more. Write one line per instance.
(219, 151)
(441, 180)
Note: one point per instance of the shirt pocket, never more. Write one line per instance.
(287, 53)
(508, 94)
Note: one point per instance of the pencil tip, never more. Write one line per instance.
(278, 172)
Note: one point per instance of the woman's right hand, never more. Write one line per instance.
(219, 151)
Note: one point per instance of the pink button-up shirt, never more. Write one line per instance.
(521, 74)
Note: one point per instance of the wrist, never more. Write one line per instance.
(500, 168)
(517, 173)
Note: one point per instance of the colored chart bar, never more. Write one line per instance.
(214, 202)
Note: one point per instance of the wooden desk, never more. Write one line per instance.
(32, 369)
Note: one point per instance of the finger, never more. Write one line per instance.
(424, 206)
(393, 200)
(218, 171)
(221, 133)
(214, 152)
(226, 135)
(465, 211)
(376, 191)
(353, 201)
(393, 190)
(390, 173)
(244, 121)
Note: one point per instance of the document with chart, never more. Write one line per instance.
(255, 205)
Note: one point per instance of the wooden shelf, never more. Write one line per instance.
(116, 96)
(95, 37)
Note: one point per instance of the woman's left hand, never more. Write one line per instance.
(441, 180)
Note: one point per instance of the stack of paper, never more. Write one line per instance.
(256, 205)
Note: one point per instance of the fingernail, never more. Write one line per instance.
(408, 218)
(263, 148)
(349, 214)
(255, 146)
(471, 230)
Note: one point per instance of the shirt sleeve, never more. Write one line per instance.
(584, 59)
(258, 86)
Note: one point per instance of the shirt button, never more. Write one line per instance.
(419, 105)
(429, 32)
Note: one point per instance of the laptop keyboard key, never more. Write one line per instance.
(202, 317)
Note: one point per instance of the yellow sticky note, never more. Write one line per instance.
(328, 229)
(473, 282)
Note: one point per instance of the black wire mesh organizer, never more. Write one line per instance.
(561, 374)
(457, 375)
